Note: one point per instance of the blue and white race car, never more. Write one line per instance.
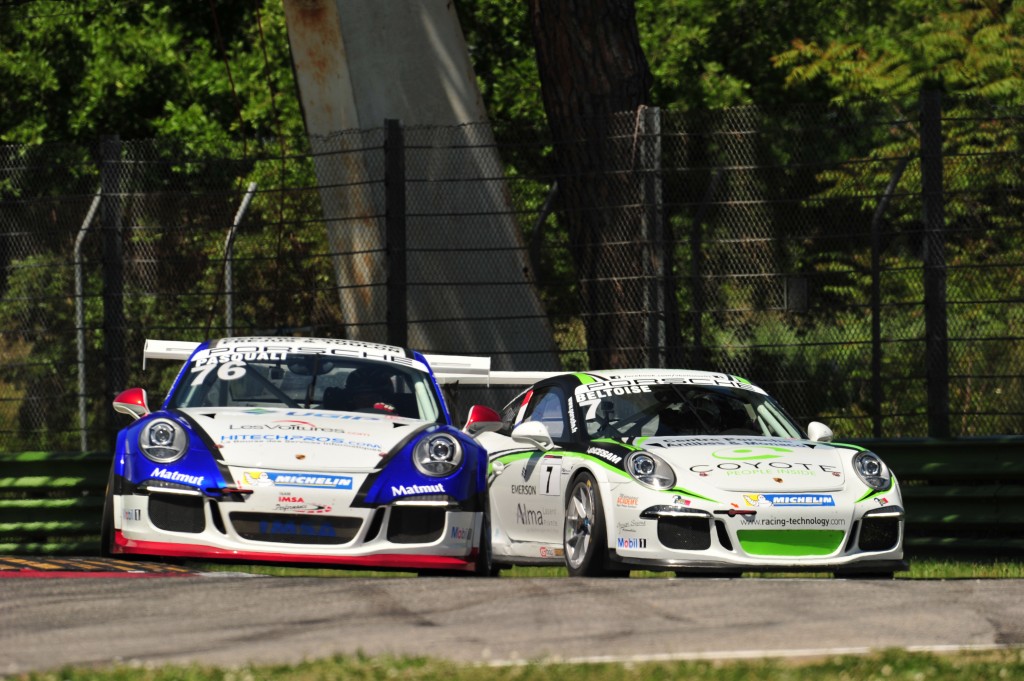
(689, 471)
(297, 450)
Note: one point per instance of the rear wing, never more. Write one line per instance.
(448, 369)
(161, 349)
(476, 371)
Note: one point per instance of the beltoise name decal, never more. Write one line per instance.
(589, 393)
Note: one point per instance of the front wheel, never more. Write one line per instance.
(585, 540)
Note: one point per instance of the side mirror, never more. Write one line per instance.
(481, 419)
(533, 433)
(132, 402)
(819, 432)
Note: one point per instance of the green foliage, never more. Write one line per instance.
(75, 71)
(968, 47)
(702, 53)
(37, 304)
(214, 80)
(497, 33)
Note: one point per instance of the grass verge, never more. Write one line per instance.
(888, 665)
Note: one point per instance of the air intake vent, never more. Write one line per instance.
(878, 534)
(175, 513)
(287, 528)
(681, 532)
(415, 524)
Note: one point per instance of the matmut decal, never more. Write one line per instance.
(176, 476)
(404, 490)
(264, 478)
(789, 500)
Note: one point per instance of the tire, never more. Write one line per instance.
(107, 522)
(585, 541)
(485, 556)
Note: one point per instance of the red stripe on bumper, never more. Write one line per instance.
(381, 560)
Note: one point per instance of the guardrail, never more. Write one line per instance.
(961, 496)
(964, 495)
(51, 502)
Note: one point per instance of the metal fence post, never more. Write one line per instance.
(877, 395)
(394, 219)
(936, 335)
(654, 292)
(113, 266)
(83, 417)
(699, 357)
(229, 256)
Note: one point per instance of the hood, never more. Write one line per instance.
(746, 464)
(301, 440)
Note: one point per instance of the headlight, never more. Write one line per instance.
(871, 470)
(437, 455)
(163, 441)
(650, 470)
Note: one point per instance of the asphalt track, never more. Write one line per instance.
(86, 612)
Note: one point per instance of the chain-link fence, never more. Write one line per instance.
(866, 276)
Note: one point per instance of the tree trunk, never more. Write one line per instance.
(594, 80)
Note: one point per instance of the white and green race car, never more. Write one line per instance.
(688, 471)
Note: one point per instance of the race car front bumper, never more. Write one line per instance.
(699, 540)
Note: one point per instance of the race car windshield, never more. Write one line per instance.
(310, 381)
(669, 410)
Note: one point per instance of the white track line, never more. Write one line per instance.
(727, 655)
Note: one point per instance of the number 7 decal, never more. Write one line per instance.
(549, 473)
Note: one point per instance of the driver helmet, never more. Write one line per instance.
(370, 379)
